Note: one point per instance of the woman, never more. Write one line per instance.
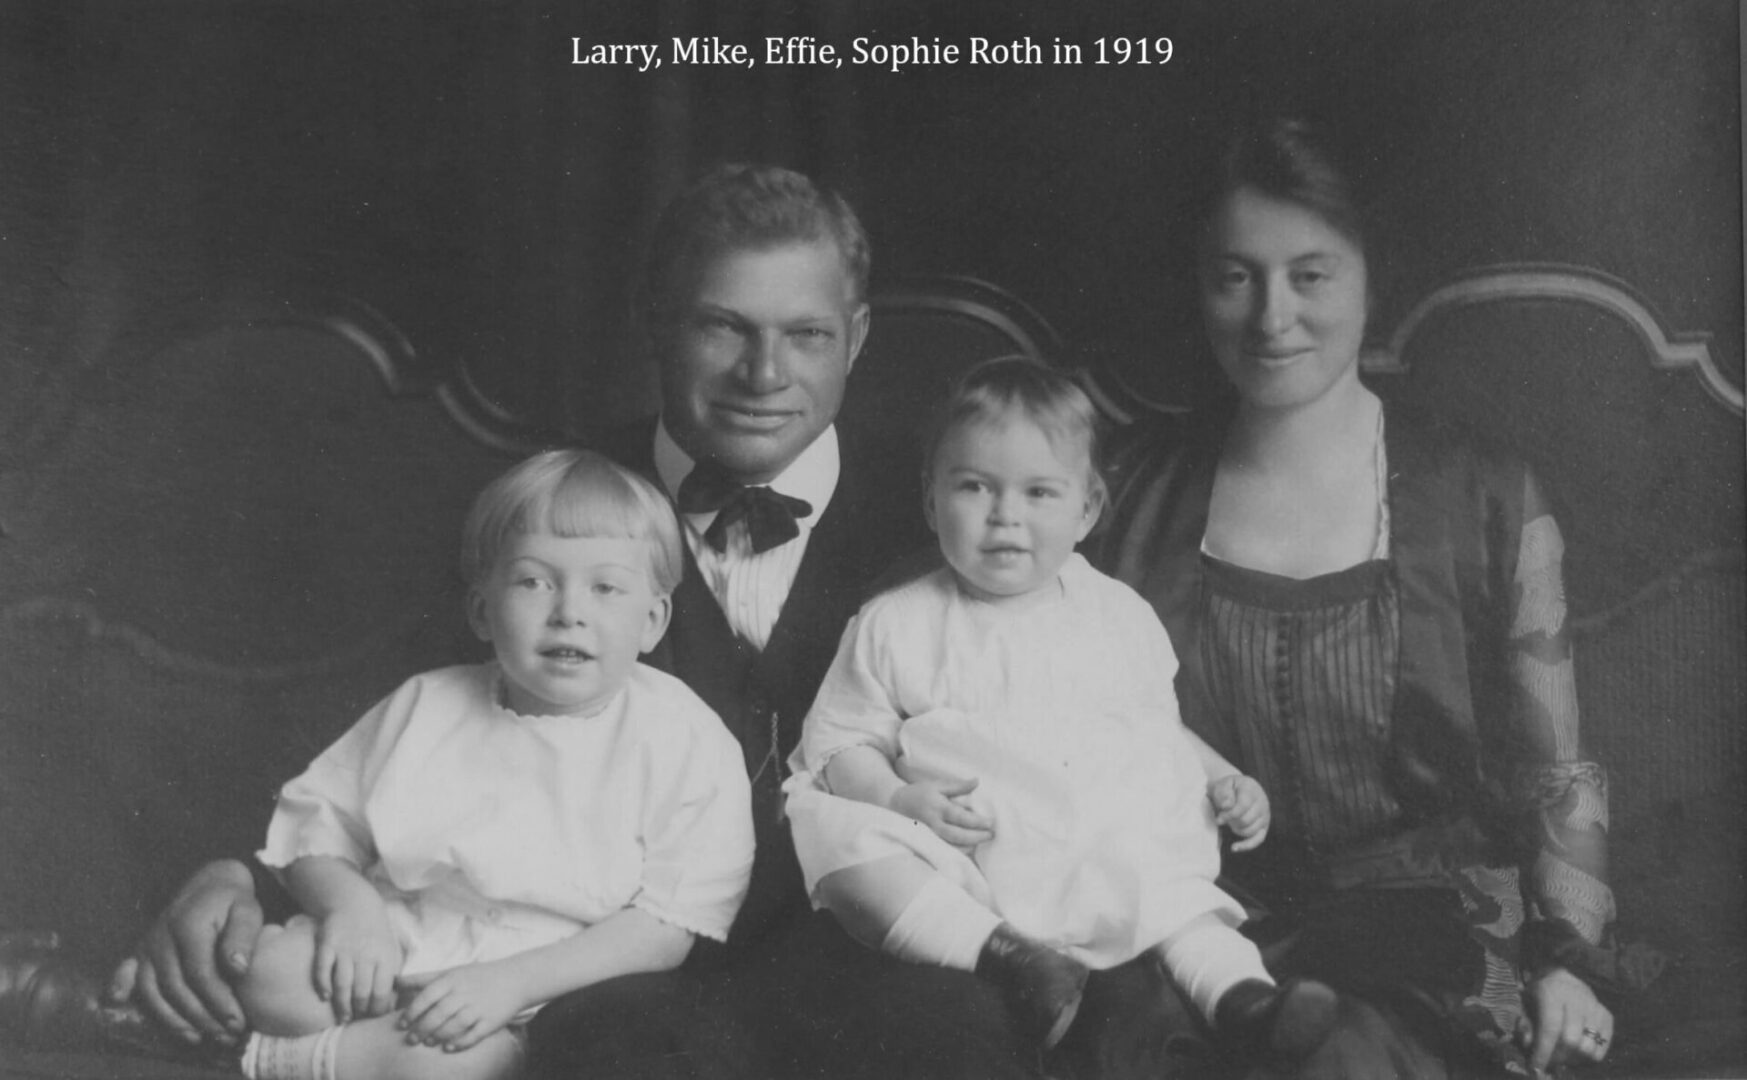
(1370, 617)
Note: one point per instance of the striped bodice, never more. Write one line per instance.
(1305, 673)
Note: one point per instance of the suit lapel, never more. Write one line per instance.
(870, 521)
(852, 543)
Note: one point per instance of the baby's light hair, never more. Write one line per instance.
(998, 389)
(572, 493)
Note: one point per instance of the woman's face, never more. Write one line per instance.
(1284, 297)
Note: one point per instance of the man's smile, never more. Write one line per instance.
(754, 417)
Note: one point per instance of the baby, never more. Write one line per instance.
(994, 775)
(489, 837)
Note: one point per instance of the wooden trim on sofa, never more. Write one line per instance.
(1670, 350)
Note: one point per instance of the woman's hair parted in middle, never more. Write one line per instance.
(572, 493)
(1294, 161)
(995, 390)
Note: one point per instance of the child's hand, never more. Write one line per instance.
(457, 1008)
(939, 805)
(1240, 804)
(356, 960)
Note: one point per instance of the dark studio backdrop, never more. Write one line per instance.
(165, 166)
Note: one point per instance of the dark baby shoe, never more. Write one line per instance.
(1277, 1025)
(1041, 986)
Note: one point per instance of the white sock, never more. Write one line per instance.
(327, 1054)
(1207, 957)
(941, 925)
(290, 1057)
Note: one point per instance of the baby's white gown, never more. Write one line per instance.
(1066, 716)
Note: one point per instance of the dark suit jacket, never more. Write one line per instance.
(875, 516)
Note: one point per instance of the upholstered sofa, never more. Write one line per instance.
(217, 550)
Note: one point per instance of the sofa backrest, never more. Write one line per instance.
(221, 545)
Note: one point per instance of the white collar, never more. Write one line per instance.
(811, 476)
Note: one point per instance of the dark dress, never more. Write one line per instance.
(1411, 721)
(1303, 674)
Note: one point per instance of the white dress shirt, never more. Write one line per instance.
(751, 587)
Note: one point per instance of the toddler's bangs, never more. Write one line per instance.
(574, 494)
(597, 506)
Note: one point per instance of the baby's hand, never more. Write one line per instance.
(356, 960)
(457, 1008)
(939, 804)
(1240, 804)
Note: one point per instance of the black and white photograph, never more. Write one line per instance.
(815, 539)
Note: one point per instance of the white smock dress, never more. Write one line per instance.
(489, 833)
(1065, 714)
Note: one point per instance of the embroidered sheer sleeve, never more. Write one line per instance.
(1568, 793)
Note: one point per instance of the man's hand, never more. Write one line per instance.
(939, 804)
(1565, 1023)
(182, 970)
(457, 1008)
(1240, 804)
(356, 960)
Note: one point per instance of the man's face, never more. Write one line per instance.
(755, 354)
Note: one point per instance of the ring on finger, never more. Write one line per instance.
(1595, 1036)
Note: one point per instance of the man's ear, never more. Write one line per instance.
(1094, 509)
(660, 614)
(858, 324)
(476, 614)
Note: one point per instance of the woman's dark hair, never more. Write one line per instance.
(1294, 161)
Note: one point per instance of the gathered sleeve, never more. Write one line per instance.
(697, 835)
(1567, 794)
(321, 812)
(856, 705)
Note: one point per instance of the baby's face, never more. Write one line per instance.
(1009, 506)
(568, 617)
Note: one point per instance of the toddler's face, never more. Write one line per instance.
(1008, 507)
(568, 617)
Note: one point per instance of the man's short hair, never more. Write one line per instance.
(743, 207)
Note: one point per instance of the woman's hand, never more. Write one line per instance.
(939, 804)
(457, 1008)
(1240, 804)
(1565, 1021)
(356, 960)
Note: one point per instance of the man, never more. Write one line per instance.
(754, 307)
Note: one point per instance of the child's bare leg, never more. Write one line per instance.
(278, 994)
(376, 1049)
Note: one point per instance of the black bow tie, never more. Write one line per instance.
(769, 515)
